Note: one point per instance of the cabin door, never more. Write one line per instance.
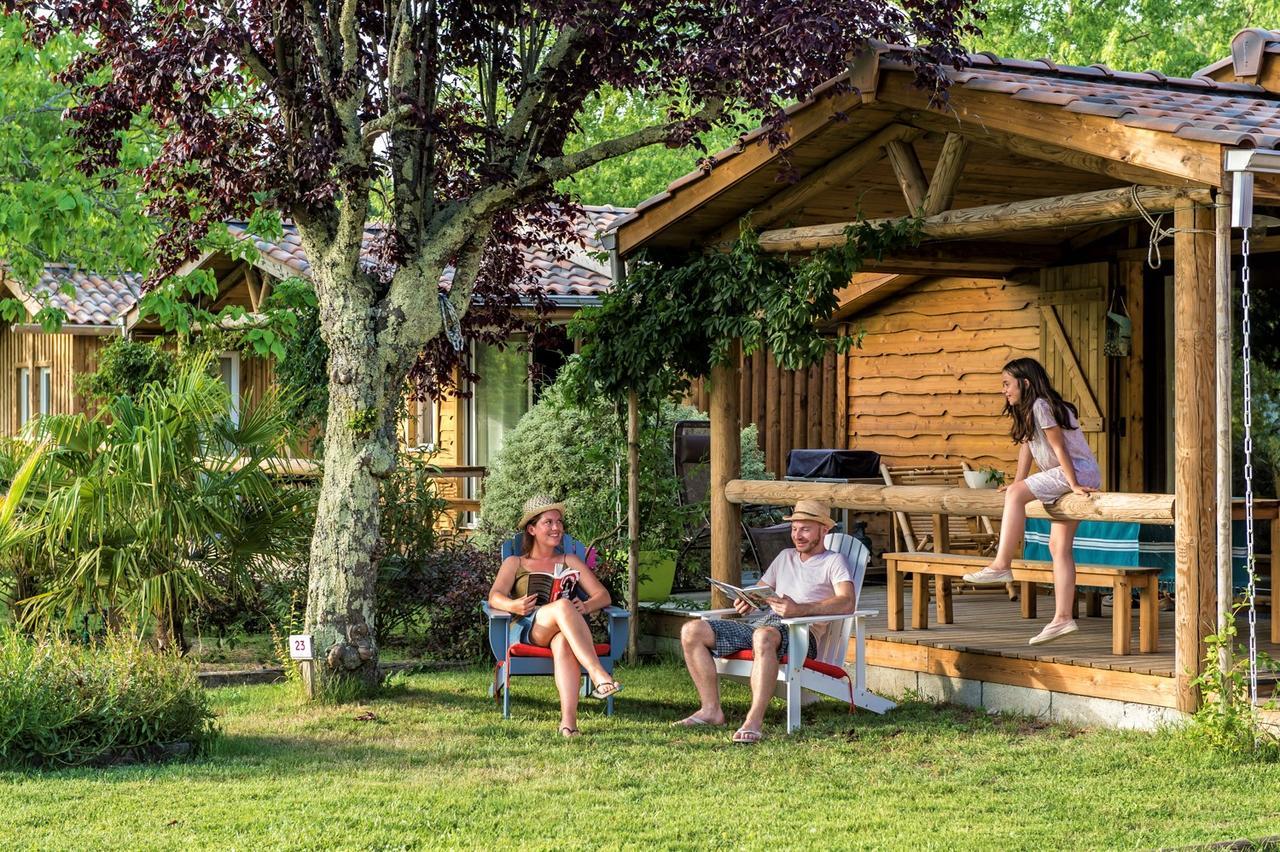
(1073, 311)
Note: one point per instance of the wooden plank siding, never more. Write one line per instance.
(66, 356)
(924, 387)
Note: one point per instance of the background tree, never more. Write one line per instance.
(1175, 37)
(51, 211)
(459, 114)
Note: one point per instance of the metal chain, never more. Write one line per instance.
(1246, 357)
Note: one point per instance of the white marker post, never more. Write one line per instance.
(300, 650)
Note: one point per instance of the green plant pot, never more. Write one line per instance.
(657, 572)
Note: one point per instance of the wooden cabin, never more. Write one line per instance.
(1050, 196)
(39, 369)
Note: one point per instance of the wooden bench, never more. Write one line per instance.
(1121, 581)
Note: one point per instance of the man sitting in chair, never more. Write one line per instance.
(806, 580)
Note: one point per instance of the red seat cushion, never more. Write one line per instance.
(520, 649)
(814, 665)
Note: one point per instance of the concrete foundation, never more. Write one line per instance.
(999, 697)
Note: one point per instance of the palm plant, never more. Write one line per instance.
(163, 499)
(20, 462)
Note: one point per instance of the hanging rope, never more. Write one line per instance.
(1246, 356)
(1158, 233)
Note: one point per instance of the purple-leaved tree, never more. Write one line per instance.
(458, 112)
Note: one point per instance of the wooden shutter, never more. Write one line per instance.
(1073, 311)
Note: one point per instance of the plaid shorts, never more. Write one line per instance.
(735, 636)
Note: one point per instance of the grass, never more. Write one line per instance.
(436, 766)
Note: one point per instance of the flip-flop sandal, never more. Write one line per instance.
(606, 689)
(569, 733)
(695, 722)
(743, 736)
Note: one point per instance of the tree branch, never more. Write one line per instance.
(384, 123)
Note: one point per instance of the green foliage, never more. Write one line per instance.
(627, 180)
(577, 452)
(159, 501)
(1176, 37)
(668, 322)
(126, 367)
(302, 371)
(1265, 429)
(431, 602)
(50, 211)
(65, 704)
(363, 421)
(1227, 722)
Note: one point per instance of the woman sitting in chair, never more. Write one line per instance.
(553, 614)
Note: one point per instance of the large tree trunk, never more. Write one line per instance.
(359, 451)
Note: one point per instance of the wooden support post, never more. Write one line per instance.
(842, 397)
(906, 168)
(726, 537)
(633, 524)
(1193, 412)
(1222, 423)
(1132, 403)
(946, 174)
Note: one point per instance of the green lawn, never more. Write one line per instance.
(439, 767)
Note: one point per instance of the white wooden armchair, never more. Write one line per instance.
(802, 680)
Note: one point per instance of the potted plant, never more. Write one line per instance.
(987, 477)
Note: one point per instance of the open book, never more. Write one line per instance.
(752, 597)
(561, 583)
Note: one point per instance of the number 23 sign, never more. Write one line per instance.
(300, 646)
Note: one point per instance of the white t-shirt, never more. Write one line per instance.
(809, 581)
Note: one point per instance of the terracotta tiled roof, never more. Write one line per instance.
(97, 300)
(575, 273)
(1195, 108)
(101, 301)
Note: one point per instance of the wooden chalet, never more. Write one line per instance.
(1050, 195)
(39, 369)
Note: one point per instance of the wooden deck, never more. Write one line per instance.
(988, 642)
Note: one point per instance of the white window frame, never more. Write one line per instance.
(24, 396)
(234, 357)
(44, 377)
(424, 437)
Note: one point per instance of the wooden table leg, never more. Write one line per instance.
(1075, 605)
(1149, 615)
(1120, 617)
(1028, 594)
(942, 583)
(942, 592)
(919, 601)
(1093, 603)
(895, 594)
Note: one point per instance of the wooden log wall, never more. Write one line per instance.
(924, 387)
(792, 409)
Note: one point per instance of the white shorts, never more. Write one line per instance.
(1049, 485)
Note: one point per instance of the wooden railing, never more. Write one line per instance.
(297, 468)
(947, 500)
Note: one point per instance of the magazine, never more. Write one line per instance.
(562, 582)
(752, 597)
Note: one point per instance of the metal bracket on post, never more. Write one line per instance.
(1244, 163)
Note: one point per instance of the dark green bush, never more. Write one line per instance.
(125, 367)
(67, 704)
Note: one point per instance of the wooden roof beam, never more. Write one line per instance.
(998, 220)
(1096, 140)
(832, 173)
(867, 289)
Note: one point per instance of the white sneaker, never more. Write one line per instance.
(989, 576)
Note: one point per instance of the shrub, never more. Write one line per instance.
(578, 454)
(65, 704)
(125, 367)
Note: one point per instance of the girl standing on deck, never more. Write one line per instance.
(1046, 429)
